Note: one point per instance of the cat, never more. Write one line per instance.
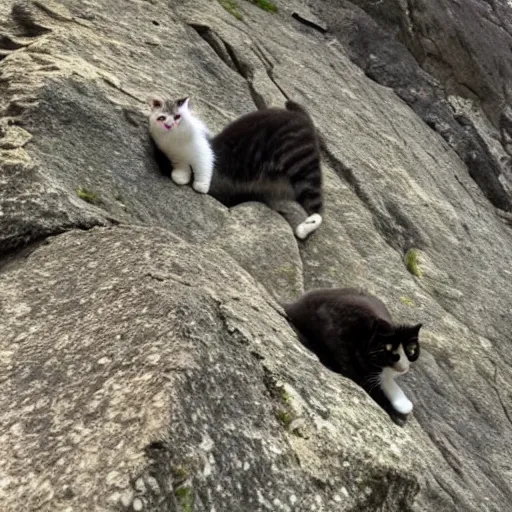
(184, 139)
(270, 155)
(353, 334)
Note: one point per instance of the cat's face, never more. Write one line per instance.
(394, 347)
(168, 116)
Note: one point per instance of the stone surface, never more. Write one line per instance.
(144, 377)
(464, 45)
(261, 241)
(463, 82)
(145, 362)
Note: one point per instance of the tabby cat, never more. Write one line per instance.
(270, 155)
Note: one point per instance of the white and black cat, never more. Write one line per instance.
(184, 139)
(269, 155)
(353, 334)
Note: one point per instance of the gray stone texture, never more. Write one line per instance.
(144, 358)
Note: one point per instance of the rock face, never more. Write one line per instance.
(145, 360)
(451, 64)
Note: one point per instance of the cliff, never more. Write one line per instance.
(144, 359)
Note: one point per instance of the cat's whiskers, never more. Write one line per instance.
(372, 380)
(354, 333)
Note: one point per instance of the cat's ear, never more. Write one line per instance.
(414, 330)
(184, 102)
(155, 102)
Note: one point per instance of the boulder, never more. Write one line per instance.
(141, 373)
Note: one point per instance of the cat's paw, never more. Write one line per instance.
(201, 186)
(402, 405)
(312, 223)
(181, 177)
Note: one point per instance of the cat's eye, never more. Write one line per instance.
(160, 118)
(389, 347)
(177, 116)
(411, 349)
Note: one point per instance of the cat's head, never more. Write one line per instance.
(394, 347)
(169, 116)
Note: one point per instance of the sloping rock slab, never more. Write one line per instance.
(143, 380)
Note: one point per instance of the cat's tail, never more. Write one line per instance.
(295, 107)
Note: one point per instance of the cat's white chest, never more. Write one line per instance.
(188, 150)
(394, 392)
(176, 148)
